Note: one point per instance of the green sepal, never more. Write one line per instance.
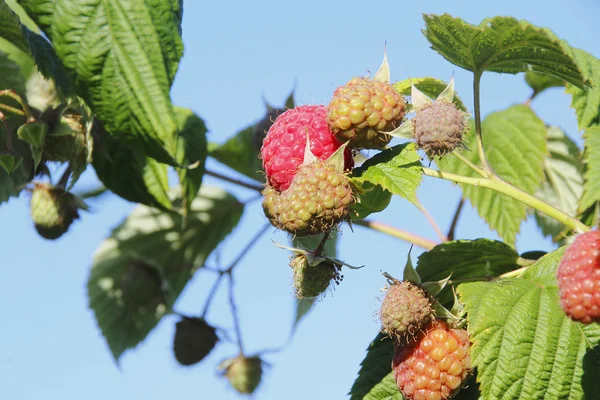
(33, 133)
(10, 160)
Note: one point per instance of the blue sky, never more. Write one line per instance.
(237, 52)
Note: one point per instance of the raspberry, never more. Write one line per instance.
(53, 210)
(244, 373)
(405, 310)
(67, 140)
(579, 278)
(283, 149)
(439, 128)
(318, 199)
(363, 110)
(312, 281)
(435, 366)
(194, 340)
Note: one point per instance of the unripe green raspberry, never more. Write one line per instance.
(405, 310)
(318, 199)
(439, 128)
(67, 140)
(363, 110)
(244, 373)
(312, 280)
(53, 210)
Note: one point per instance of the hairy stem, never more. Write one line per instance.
(477, 116)
(501, 186)
(397, 233)
(13, 95)
(474, 167)
(10, 109)
(238, 182)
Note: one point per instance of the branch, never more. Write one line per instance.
(452, 228)
(397, 233)
(501, 186)
(248, 185)
(432, 222)
(477, 101)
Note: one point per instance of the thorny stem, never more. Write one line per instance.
(397, 233)
(238, 182)
(13, 95)
(476, 98)
(11, 109)
(500, 186)
(454, 223)
(432, 222)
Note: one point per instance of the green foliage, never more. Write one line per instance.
(370, 199)
(480, 259)
(586, 101)
(191, 152)
(158, 239)
(563, 183)
(523, 344)
(136, 71)
(502, 44)
(515, 146)
(540, 82)
(240, 154)
(432, 87)
(591, 189)
(397, 170)
(373, 380)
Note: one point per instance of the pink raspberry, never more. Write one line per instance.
(283, 149)
(579, 278)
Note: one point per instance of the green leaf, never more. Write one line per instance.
(397, 170)
(586, 101)
(480, 259)
(540, 82)
(591, 154)
(158, 239)
(504, 45)
(240, 154)
(372, 199)
(432, 87)
(563, 183)
(130, 175)
(191, 151)
(122, 57)
(515, 144)
(10, 78)
(372, 381)
(524, 346)
(11, 37)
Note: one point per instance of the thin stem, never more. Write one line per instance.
(238, 182)
(64, 179)
(234, 313)
(13, 95)
(432, 222)
(497, 184)
(321, 245)
(455, 219)
(211, 295)
(474, 167)
(11, 109)
(247, 248)
(477, 101)
(397, 233)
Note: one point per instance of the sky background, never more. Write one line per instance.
(236, 53)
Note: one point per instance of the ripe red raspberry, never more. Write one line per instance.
(435, 366)
(283, 149)
(579, 278)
